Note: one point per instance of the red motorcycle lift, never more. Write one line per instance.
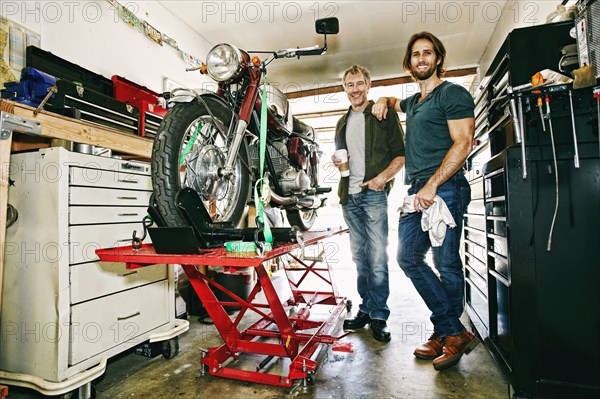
(279, 332)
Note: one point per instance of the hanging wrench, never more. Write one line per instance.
(574, 130)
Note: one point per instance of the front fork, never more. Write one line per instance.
(240, 130)
(248, 103)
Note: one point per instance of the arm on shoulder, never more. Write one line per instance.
(381, 106)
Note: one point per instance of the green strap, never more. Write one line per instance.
(190, 144)
(263, 182)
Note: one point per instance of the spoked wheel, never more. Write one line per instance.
(190, 150)
(303, 219)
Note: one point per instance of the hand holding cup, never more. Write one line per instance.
(342, 157)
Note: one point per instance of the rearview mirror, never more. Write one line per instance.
(327, 26)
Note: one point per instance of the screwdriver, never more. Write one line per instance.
(539, 105)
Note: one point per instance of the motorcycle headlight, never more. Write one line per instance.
(223, 62)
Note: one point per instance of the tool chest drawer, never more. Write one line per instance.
(476, 161)
(475, 221)
(498, 245)
(476, 207)
(477, 266)
(494, 185)
(496, 207)
(478, 303)
(499, 264)
(85, 240)
(476, 189)
(496, 225)
(475, 250)
(98, 325)
(69, 205)
(106, 214)
(103, 196)
(475, 235)
(95, 177)
(109, 278)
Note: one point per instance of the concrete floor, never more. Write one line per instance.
(372, 370)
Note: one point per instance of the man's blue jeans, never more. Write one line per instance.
(443, 295)
(366, 217)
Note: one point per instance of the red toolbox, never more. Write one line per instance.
(142, 98)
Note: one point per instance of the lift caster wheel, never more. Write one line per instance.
(170, 348)
(308, 381)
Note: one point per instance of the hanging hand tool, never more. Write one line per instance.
(538, 80)
(540, 103)
(549, 246)
(517, 125)
(574, 129)
(522, 129)
(597, 97)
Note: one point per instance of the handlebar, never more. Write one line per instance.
(297, 52)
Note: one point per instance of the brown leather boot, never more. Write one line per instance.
(430, 349)
(454, 347)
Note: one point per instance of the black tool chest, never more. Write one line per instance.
(83, 94)
(535, 303)
(96, 107)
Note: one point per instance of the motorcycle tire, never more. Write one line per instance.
(303, 219)
(188, 151)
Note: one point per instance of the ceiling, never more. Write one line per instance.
(372, 33)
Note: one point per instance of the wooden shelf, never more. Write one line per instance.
(61, 127)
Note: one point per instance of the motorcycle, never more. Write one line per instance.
(210, 143)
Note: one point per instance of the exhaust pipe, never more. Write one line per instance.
(311, 202)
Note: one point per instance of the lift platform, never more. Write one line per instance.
(284, 330)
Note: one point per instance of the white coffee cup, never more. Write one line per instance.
(342, 155)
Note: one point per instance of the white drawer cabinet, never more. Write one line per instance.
(64, 311)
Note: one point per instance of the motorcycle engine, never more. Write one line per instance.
(291, 180)
(294, 181)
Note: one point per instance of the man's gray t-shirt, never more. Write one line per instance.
(427, 135)
(355, 140)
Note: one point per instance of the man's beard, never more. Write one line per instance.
(423, 75)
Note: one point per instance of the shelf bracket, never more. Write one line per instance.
(10, 123)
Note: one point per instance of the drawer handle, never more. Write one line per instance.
(128, 317)
(128, 181)
(127, 274)
(127, 198)
(128, 214)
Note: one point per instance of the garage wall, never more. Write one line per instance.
(91, 34)
(515, 14)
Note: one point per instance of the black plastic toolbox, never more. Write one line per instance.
(62, 69)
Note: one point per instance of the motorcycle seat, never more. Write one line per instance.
(302, 129)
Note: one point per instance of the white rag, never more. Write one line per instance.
(435, 219)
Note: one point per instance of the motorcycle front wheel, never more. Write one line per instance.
(190, 148)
